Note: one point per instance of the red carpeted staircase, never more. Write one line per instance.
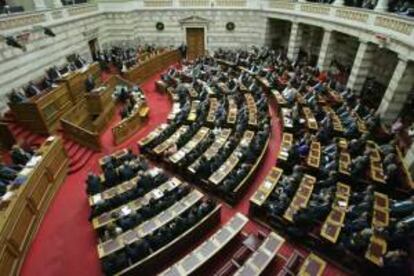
(79, 156)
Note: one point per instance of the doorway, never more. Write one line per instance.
(93, 48)
(195, 43)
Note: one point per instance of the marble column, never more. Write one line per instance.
(39, 5)
(57, 3)
(382, 6)
(362, 65)
(295, 41)
(338, 3)
(409, 160)
(397, 92)
(326, 52)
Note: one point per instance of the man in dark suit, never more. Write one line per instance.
(19, 156)
(89, 83)
(32, 90)
(54, 74)
(93, 184)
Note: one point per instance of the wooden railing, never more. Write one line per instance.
(21, 216)
(72, 124)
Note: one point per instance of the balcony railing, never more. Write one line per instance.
(9, 22)
(396, 27)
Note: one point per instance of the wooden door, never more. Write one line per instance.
(195, 43)
(93, 48)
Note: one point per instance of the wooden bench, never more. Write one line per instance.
(260, 259)
(266, 188)
(111, 246)
(302, 196)
(159, 149)
(314, 157)
(213, 149)
(311, 122)
(285, 146)
(208, 249)
(190, 145)
(333, 224)
(312, 266)
(218, 176)
(158, 192)
(252, 109)
(182, 242)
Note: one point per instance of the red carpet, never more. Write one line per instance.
(66, 244)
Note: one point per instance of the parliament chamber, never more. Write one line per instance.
(207, 137)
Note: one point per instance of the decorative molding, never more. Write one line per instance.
(77, 10)
(231, 3)
(318, 9)
(17, 21)
(282, 5)
(195, 3)
(394, 24)
(158, 3)
(352, 15)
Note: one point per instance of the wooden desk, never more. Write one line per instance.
(171, 140)
(41, 113)
(344, 163)
(21, 217)
(380, 216)
(302, 196)
(152, 135)
(149, 226)
(311, 122)
(232, 112)
(180, 242)
(336, 121)
(146, 69)
(213, 107)
(75, 81)
(362, 128)
(266, 188)
(314, 156)
(335, 96)
(287, 118)
(279, 98)
(190, 145)
(111, 192)
(232, 161)
(312, 266)
(108, 217)
(377, 172)
(260, 259)
(333, 224)
(192, 116)
(252, 109)
(208, 249)
(100, 97)
(285, 146)
(116, 155)
(214, 148)
(376, 250)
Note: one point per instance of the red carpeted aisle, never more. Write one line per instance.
(66, 244)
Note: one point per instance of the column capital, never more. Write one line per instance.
(382, 6)
(402, 58)
(338, 3)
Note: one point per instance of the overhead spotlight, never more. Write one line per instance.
(49, 32)
(11, 41)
